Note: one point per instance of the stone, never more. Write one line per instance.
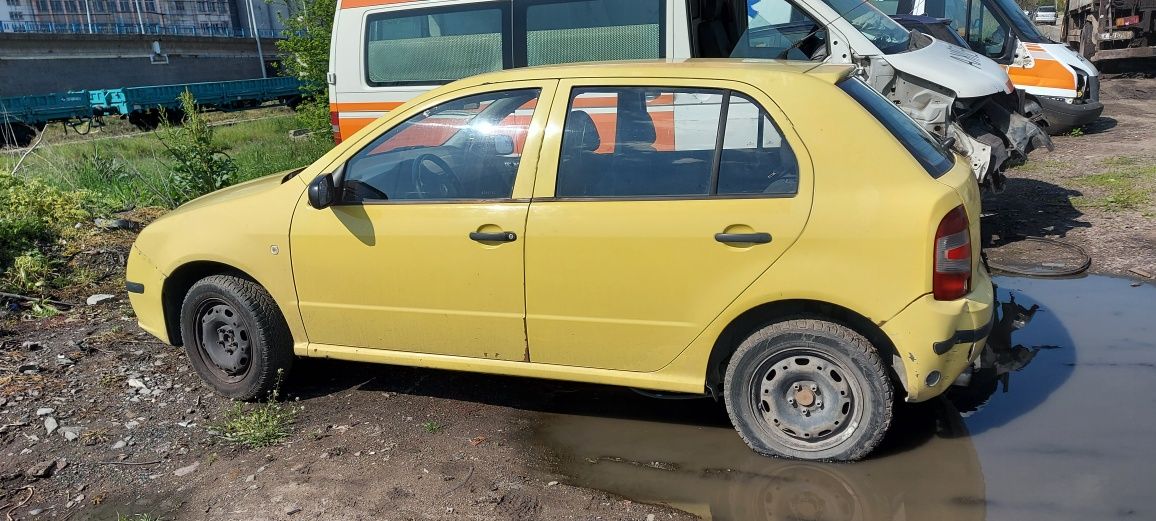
(114, 224)
(98, 298)
(71, 433)
(184, 471)
(136, 383)
(120, 444)
(50, 424)
(31, 345)
(41, 470)
(45, 411)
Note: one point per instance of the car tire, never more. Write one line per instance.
(235, 337)
(809, 389)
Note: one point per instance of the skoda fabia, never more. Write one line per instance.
(775, 235)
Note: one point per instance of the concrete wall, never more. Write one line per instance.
(43, 63)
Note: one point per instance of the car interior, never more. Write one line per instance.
(733, 29)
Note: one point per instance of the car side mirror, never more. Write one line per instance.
(322, 191)
(503, 144)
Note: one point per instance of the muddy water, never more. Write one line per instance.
(1061, 424)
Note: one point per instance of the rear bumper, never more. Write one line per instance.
(938, 340)
(1063, 116)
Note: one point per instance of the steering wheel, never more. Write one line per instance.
(430, 184)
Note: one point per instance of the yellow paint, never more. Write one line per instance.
(617, 292)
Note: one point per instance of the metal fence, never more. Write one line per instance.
(128, 28)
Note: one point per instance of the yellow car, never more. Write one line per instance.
(774, 234)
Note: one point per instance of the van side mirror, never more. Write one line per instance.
(503, 144)
(322, 191)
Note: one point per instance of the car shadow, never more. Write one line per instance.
(1100, 124)
(1029, 208)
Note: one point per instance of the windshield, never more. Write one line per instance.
(885, 33)
(1024, 27)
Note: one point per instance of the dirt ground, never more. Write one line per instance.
(1096, 190)
(98, 420)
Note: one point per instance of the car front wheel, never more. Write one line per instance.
(809, 389)
(235, 336)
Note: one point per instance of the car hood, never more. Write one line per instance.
(233, 193)
(966, 72)
(1067, 56)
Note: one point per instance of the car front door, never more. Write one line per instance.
(424, 250)
(668, 202)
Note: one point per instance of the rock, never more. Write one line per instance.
(36, 511)
(45, 411)
(649, 517)
(114, 224)
(50, 424)
(552, 483)
(28, 368)
(71, 433)
(30, 345)
(290, 510)
(64, 361)
(184, 471)
(120, 444)
(133, 382)
(41, 470)
(98, 298)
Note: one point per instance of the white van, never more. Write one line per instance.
(385, 52)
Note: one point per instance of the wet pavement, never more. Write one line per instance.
(1060, 425)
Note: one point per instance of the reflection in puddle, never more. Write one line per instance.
(1007, 446)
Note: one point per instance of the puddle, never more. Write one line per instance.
(1060, 426)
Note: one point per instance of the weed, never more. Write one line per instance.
(262, 425)
(1076, 132)
(1126, 185)
(137, 517)
(432, 426)
(41, 309)
(31, 273)
(200, 164)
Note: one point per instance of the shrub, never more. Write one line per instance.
(200, 164)
(35, 216)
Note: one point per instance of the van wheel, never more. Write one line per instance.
(235, 336)
(809, 389)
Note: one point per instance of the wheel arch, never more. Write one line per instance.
(178, 283)
(759, 316)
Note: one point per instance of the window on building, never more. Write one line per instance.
(14, 3)
(150, 6)
(17, 16)
(179, 5)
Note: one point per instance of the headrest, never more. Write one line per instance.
(581, 133)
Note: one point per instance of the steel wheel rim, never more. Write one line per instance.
(805, 399)
(223, 339)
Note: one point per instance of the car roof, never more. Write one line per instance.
(746, 70)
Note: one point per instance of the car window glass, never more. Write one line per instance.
(593, 30)
(930, 153)
(434, 45)
(663, 142)
(776, 29)
(468, 148)
(986, 35)
(755, 157)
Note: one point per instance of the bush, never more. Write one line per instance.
(200, 164)
(35, 216)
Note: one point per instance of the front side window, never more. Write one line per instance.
(666, 142)
(985, 33)
(469, 148)
(592, 30)
(777, 29)
(885, 33)
(435, 45)
(926, 149)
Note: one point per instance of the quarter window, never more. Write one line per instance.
(661, 142)
(435, 45)
(469, 148)
(926, 149)
(593, 30)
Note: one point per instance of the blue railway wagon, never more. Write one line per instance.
(22, 116)
(219, 94)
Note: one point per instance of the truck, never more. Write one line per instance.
(1116, 30)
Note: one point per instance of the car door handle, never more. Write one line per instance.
(743, 238)
(493, 236)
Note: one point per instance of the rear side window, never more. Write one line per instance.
(650, 142)
(926, 149)
(435, 45)
(592, 30)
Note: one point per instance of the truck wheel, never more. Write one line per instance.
(1087, 43)
(809, 389)
(235, 336)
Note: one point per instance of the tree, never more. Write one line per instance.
(307, 58)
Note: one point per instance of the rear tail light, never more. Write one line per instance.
(335, 124)
(951, 272)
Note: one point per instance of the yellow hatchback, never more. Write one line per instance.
(774, 234)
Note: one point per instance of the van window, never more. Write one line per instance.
(776, 29)
(426, 46)
(986, 34)
(593, 30)
(666, 142)
(926, 149)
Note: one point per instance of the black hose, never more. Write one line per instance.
(1082, 267)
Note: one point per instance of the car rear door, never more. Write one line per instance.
(654, 208)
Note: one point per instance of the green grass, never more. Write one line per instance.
(1126, 183)
(1046, 166)
(432, 427)
(126, 171)
(260, 425)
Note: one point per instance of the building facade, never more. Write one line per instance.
(177, 17)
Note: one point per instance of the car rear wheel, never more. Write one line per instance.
(235, 336)
(809, 389)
